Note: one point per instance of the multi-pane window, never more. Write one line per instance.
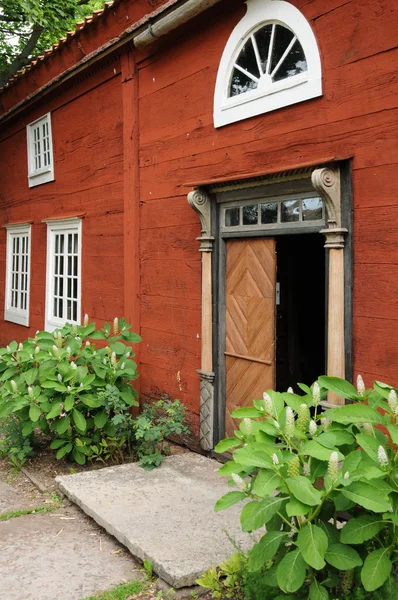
(40, 158)
(63, 273)
(17, 274)
(298, 210)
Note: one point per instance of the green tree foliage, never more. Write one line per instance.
(28, 27)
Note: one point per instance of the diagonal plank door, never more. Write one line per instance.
(250, 323)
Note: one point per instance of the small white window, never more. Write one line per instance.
(40, 152)
(63, 287)
(271, 60)
(16, 307)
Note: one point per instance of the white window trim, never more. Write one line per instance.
(16, 315)
(284, 93)
(70, 224)
(45, 174)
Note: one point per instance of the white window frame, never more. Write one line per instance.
(64, 226)
(44, 174)
(288, 91)
(12, 314)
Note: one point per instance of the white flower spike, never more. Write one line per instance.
(360, 386)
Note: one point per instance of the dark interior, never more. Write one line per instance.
(300, 314)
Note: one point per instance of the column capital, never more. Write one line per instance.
(335, 237)
(326, 181)
(199, 199)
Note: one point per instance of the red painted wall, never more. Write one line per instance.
(87, 144)
(356, 118)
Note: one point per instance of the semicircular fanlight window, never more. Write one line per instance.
(270, 54)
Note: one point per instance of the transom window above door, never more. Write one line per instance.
(271, 60)
(300, 211)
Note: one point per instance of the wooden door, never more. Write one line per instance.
(250, 323)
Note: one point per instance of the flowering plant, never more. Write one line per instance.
(322, 489)
(73, 392)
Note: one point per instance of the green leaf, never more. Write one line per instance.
(291, 572)
(88, 380)
(393, 431)
(351, 462)
(79, 420)
(317, 450)
(293, 400)
(246, 412)
(343, 557)
(230, 467)
(265, 549)
(294, 508)
(118, 348)
(30, 376)
(376, 569)
(255, 455)
(100, 419)
(57, 444)
(227, 444)
(369, 444)
(34, 412)
(256, 514)
(228, 500)
(8, 373)
(331, 532)
(367, 496)
(54, 411)
(78, 457)
(354, 413)
(342, 388)
(129, 398)
(69, 403)
(265, 483)
(65, 450)
(89, 400)
(318, 592)
(28, 428)
(61, 425)
(313, 542)
(302, 489)
(359, 530)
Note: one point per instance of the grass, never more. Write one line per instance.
(28, 511)
(45, 508)
(120, 592)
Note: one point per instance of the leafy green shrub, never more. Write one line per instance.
(324, 485)
(156, 423)
(75, 393)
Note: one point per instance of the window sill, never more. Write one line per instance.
(19, 319)
(40, 177)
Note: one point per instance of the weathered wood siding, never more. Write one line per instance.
(87, 143)
(356, 119)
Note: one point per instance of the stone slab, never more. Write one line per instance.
(165, 516)
(61, 555)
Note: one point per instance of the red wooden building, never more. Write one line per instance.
(278, 122)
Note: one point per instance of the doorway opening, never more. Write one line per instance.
(300, 310)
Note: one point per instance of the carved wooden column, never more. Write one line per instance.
(200, 202)
(327, 182)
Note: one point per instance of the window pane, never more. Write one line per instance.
(70, 243)
(269, 213)
(312, 209)
(283, 37)
(69, 289)
(241, 83)
(294, 63)
(247, 59)
(75, 288)
(68, 310)
(263, 38)
(75, 243)
(290, 211)
(250, 215)
(232, 217)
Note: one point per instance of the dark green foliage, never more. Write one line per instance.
(157, 422)
(325, 486)
(28, 27)
(77, 395)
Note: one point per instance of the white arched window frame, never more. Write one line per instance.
(268, 96)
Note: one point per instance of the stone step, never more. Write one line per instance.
(165, 516)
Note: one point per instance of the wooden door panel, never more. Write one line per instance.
(250, 322)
